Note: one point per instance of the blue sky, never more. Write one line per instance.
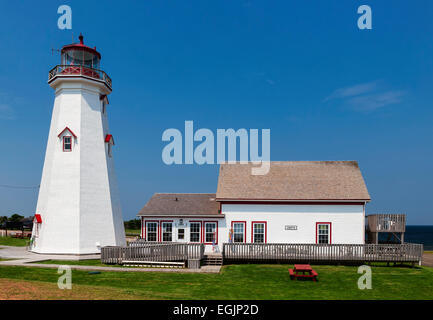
(327, 90)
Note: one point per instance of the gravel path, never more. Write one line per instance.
(23, 258)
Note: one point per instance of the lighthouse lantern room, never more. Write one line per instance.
(78, 205)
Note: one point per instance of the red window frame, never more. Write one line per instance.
(204, 232)
(245, 231)
(330, 231)
(158, 230)
(64, 150)
(161, 230)
(201, 230)
(252, 230)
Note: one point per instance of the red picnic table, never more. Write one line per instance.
(303, 271)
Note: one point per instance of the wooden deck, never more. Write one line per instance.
(386, 223)
(192, 253)
(323, 252)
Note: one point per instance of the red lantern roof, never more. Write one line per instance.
(81, 46)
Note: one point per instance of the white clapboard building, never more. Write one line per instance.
(296, 202)
(78, 209)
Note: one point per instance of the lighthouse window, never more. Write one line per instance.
(67, 143)
(109, 149)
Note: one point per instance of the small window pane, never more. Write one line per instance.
(323, 233)
(152, 231)
(238, 232)
(195, 232)
(167, 231)
(258, 232)
(67, 143)
(210, 229)
(181, 234)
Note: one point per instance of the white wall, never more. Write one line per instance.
(78, 199)
(186, 221)
(347, 221)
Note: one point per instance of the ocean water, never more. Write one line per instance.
(420, 234)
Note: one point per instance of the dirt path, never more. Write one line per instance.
(33, 290)
(427, 259)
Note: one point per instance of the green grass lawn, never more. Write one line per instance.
(247, 282)
(15, 242)
(132, 232)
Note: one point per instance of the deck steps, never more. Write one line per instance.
(213, 259)
(150, 264)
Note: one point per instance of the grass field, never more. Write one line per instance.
(132, 232)
(234, 282)
(15, 242)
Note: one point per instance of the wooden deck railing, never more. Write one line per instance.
(156, 252)
(386, 222)
(323, 252)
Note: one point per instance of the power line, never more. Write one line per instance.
(19, 187)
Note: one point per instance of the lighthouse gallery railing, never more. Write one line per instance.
(79, 70)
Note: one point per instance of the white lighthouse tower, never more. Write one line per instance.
(78, 208)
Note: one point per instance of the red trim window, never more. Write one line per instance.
(67, 143)
(239, 231)
(259, 232)
(323, 232)
(195, 231)
(167, 230)
(151, 231)
(104, 106)
(211, 232)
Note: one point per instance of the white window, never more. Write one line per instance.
(195, 232)
(67, 143)
(181, 234)
(167, 231)
(210, 232)
(152, 231)
(323, 232)
(238, 231)
(259, 232)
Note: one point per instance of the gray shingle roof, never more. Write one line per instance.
(293, 180)
(179, 204)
